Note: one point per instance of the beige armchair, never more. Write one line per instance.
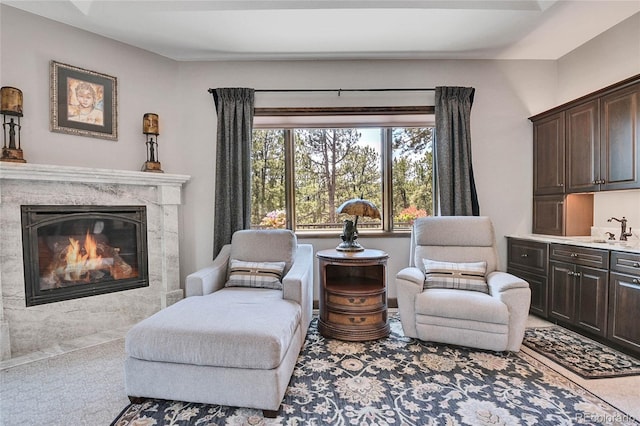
(435, 300)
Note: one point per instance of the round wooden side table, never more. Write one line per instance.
(353, 294)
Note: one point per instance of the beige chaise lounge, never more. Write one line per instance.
(234, 346)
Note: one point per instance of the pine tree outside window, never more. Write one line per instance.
(301, 175)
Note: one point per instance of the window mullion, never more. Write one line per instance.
(289, 179)
(387, 179)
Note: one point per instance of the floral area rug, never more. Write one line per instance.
(402, 381)
(581, 355)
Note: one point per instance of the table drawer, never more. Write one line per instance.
(358, 320)
(355, 301)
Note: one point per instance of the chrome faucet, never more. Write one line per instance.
(623, 225)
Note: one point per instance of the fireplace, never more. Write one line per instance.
(73, 251)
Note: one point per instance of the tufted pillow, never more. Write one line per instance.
(255, 274)
(460, 276)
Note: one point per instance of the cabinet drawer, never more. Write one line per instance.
(357, 320)
(368, 302)
(626, 263)
(579, 255)
(528, 256)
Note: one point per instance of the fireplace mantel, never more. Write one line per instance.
(25, 329)
(52, 173)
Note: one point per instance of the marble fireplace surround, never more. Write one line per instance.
(28, 329)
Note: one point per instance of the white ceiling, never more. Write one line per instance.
(342, 29)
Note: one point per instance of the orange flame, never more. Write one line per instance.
(80, 261)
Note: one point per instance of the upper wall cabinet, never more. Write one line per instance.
(590, 144)
(549, 155)
(583, 147)
(619, 139)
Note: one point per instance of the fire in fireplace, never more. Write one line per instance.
(79, 251)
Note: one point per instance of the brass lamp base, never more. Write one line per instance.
(349, 246)
(13, 155)
(152, 166)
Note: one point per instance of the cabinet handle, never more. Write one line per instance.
(357, 320)
(574, 255)
(636, 265)
(636, 281)
(602, 181)
(560, 184)
(523, 255)
(570, 273)
(359, 301)
(577, 274)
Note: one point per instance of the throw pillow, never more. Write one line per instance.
(461, 276)
(255, 274)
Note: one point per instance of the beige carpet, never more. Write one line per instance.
(83, 387)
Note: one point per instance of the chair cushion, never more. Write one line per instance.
(462, 305)
(232, 327)
(455, 275)
(255, 274)
(265, 245)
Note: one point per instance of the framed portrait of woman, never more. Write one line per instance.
(83, 102)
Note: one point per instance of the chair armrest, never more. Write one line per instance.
(409, 283)
(297, 285)
(516, 294)
(209, 279)
(413, 275)
(502, 281)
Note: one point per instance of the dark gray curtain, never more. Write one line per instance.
(457, 194)
(234, 107)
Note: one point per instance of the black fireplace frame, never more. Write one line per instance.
(37, 216)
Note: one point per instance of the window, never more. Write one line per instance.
(301, 175)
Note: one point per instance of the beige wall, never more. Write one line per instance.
(507, 93)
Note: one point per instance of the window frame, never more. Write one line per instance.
(320, 117)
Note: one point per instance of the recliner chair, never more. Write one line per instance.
(437, 304)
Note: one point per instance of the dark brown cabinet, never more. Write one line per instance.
(353, 294)
(587, 145)
(583, 147)
(563, 214)
(529, 261)
(578, 288)
(549, 155)
(592, 290)
(624, 300)
(620, 154)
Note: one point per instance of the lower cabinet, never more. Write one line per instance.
(624, 300)
(578, 296)
(592, 290)
(578, 280)
(528, 260)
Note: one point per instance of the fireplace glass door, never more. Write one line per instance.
(79, 251)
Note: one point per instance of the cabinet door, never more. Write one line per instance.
(548, 155)
(624, 304)
(619, 139)
(548, 215)
(591, 299)
(583, 147)
(561, 291)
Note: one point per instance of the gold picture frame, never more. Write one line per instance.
(83, 102)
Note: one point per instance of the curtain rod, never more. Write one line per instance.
(415, 89)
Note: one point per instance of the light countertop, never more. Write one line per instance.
(632, 246)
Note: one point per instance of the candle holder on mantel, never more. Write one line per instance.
(150, 127)
(11, 104)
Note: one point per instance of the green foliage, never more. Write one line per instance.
(335, 165)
